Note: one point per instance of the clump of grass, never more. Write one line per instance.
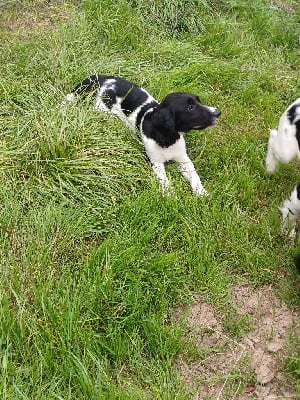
(175, 17)
(61, 151)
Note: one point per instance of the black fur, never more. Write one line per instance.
(297, 262)
(162, 126)
(298, 191)
(292, 113)
(131, 94)
(177, 113)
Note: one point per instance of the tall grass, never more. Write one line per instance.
(93, 258)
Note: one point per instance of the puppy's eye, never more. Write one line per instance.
(191, 107)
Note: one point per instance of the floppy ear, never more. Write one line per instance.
(164, 119)
(163, 126)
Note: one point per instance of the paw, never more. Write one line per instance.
(200, 191)
(165, 188)
(170, 192)
(291, 234)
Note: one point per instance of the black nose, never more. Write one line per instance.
(217, 113)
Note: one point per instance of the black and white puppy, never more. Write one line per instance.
(162, 126)
(283, 147)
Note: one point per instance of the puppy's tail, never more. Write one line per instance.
(83, 89)
(70, 98)
(297, 262)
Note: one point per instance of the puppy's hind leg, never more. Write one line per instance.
(290, 211)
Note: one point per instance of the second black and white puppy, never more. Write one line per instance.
(162, 126)
(283, 147)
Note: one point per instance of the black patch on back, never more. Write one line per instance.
(131, 94)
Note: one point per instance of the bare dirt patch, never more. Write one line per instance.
(283, 6)
(250, 367)
(23, 22)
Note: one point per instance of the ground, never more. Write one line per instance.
(247, 367)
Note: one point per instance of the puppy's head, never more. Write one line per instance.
(188, 112)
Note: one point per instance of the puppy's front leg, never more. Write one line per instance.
(160, 173)
(271, 161)
(188, 171)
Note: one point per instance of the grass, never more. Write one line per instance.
(93, 258)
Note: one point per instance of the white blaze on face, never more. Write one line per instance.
(211, 109)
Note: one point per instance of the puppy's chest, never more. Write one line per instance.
(156, 153)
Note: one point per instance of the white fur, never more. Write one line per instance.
(157, 155)
(290, 211)
(109, 84)
(177, 152)
(116, 109)
(283, 146)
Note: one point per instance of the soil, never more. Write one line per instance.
(25, 21)
(251, 367)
